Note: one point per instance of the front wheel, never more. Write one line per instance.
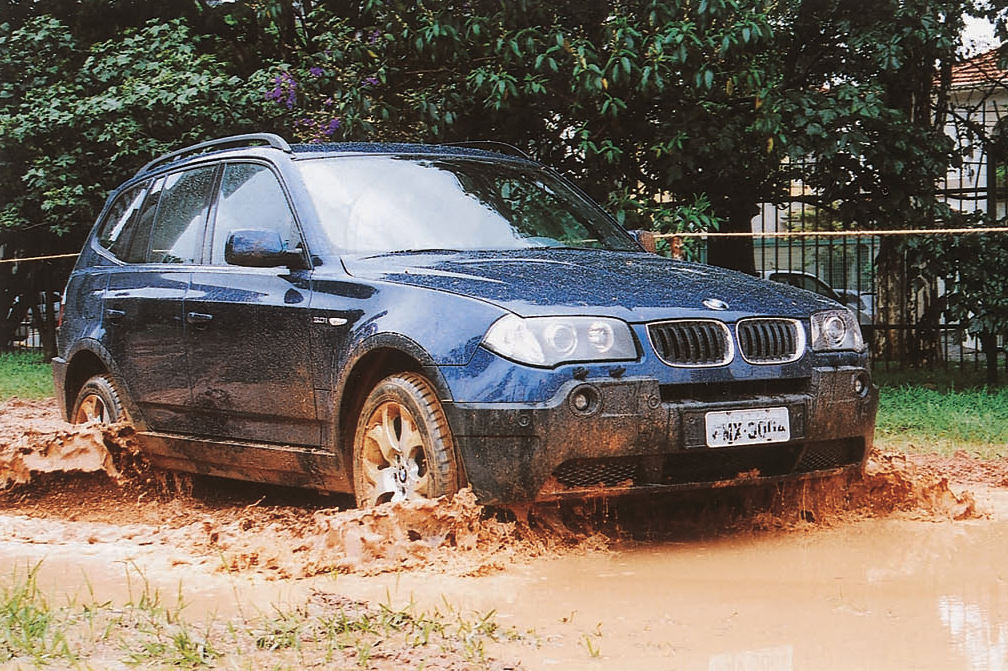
(98, 401)
(403, 447)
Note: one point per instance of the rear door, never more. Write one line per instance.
(247, 329)
(142, 307)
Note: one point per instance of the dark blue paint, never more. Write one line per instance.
(635, 287)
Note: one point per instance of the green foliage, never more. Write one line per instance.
(634, 100)
(676, 114)
(977, 270)
(76, 120)
(651, 105)
(25, 375)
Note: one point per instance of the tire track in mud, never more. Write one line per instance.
(92, 487)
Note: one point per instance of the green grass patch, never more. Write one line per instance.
(934, 420)
(949, 378)
(25, 374)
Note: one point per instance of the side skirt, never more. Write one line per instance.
(274, 464)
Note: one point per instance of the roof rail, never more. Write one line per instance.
(235, 141)
(492, 145)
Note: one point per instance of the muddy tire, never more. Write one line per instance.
(403, 448)
(98, 401)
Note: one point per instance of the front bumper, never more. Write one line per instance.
(636, 435)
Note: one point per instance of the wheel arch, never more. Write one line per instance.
(84, 362)
(372, 361)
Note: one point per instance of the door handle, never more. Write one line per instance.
(198, 319)
(115, 316)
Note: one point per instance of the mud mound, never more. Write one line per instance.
(453, 535)
(891, 484)
(964, 468)
(33, 441)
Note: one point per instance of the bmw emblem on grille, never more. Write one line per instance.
(715, 304)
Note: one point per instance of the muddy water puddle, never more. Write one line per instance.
(868, 594)
(874, 594)
(84, 564)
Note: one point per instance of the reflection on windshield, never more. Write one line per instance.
(381, 204)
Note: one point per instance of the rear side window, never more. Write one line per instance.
(251, 198)
(181, 217)
(119, 228)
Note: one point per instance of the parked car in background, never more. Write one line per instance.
(863, 302)
(399, 321)
(860, 303)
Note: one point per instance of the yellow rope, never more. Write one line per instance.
(39, 258)
(836, 234)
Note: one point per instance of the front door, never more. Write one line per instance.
(247, 329)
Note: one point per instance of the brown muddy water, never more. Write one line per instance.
(870, 594)
(898, 570)
(867, 594)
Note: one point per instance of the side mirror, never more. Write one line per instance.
(645, 239)
(259, 248)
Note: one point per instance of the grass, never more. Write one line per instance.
(921, 419)
(25, 374)
(326, 631)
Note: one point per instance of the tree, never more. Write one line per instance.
(720, 101)
(76, 120)
(676, 114)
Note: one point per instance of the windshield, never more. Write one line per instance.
(383, 204)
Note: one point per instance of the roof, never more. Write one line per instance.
(482, 149)
(979, 71)
(479, 149)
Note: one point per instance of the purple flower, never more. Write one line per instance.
(316, 71)
(331, 128)
(374, 36)
(370, 81)
(284, 90)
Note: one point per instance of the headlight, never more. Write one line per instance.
(548, 341)
(836, 330)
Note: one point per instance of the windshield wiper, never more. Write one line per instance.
(399, 252)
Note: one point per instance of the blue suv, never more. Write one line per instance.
(401, 321)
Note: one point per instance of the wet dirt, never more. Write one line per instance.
(898, 568)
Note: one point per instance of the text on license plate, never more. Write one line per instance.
(748, 427)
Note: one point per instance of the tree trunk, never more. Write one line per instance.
(890, 343)
(735, 252)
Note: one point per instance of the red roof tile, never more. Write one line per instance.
(979, 71)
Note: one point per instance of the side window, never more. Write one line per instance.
(251, 198)
(121, 222)
(177, 236)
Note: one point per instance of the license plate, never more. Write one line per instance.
(748, 427)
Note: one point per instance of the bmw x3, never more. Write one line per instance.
(401, 321)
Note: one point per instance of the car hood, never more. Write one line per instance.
(627, 285)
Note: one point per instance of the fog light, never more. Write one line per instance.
(861, 384)
(584, 400)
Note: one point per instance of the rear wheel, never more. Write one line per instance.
(98, 401)
(403, 447)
